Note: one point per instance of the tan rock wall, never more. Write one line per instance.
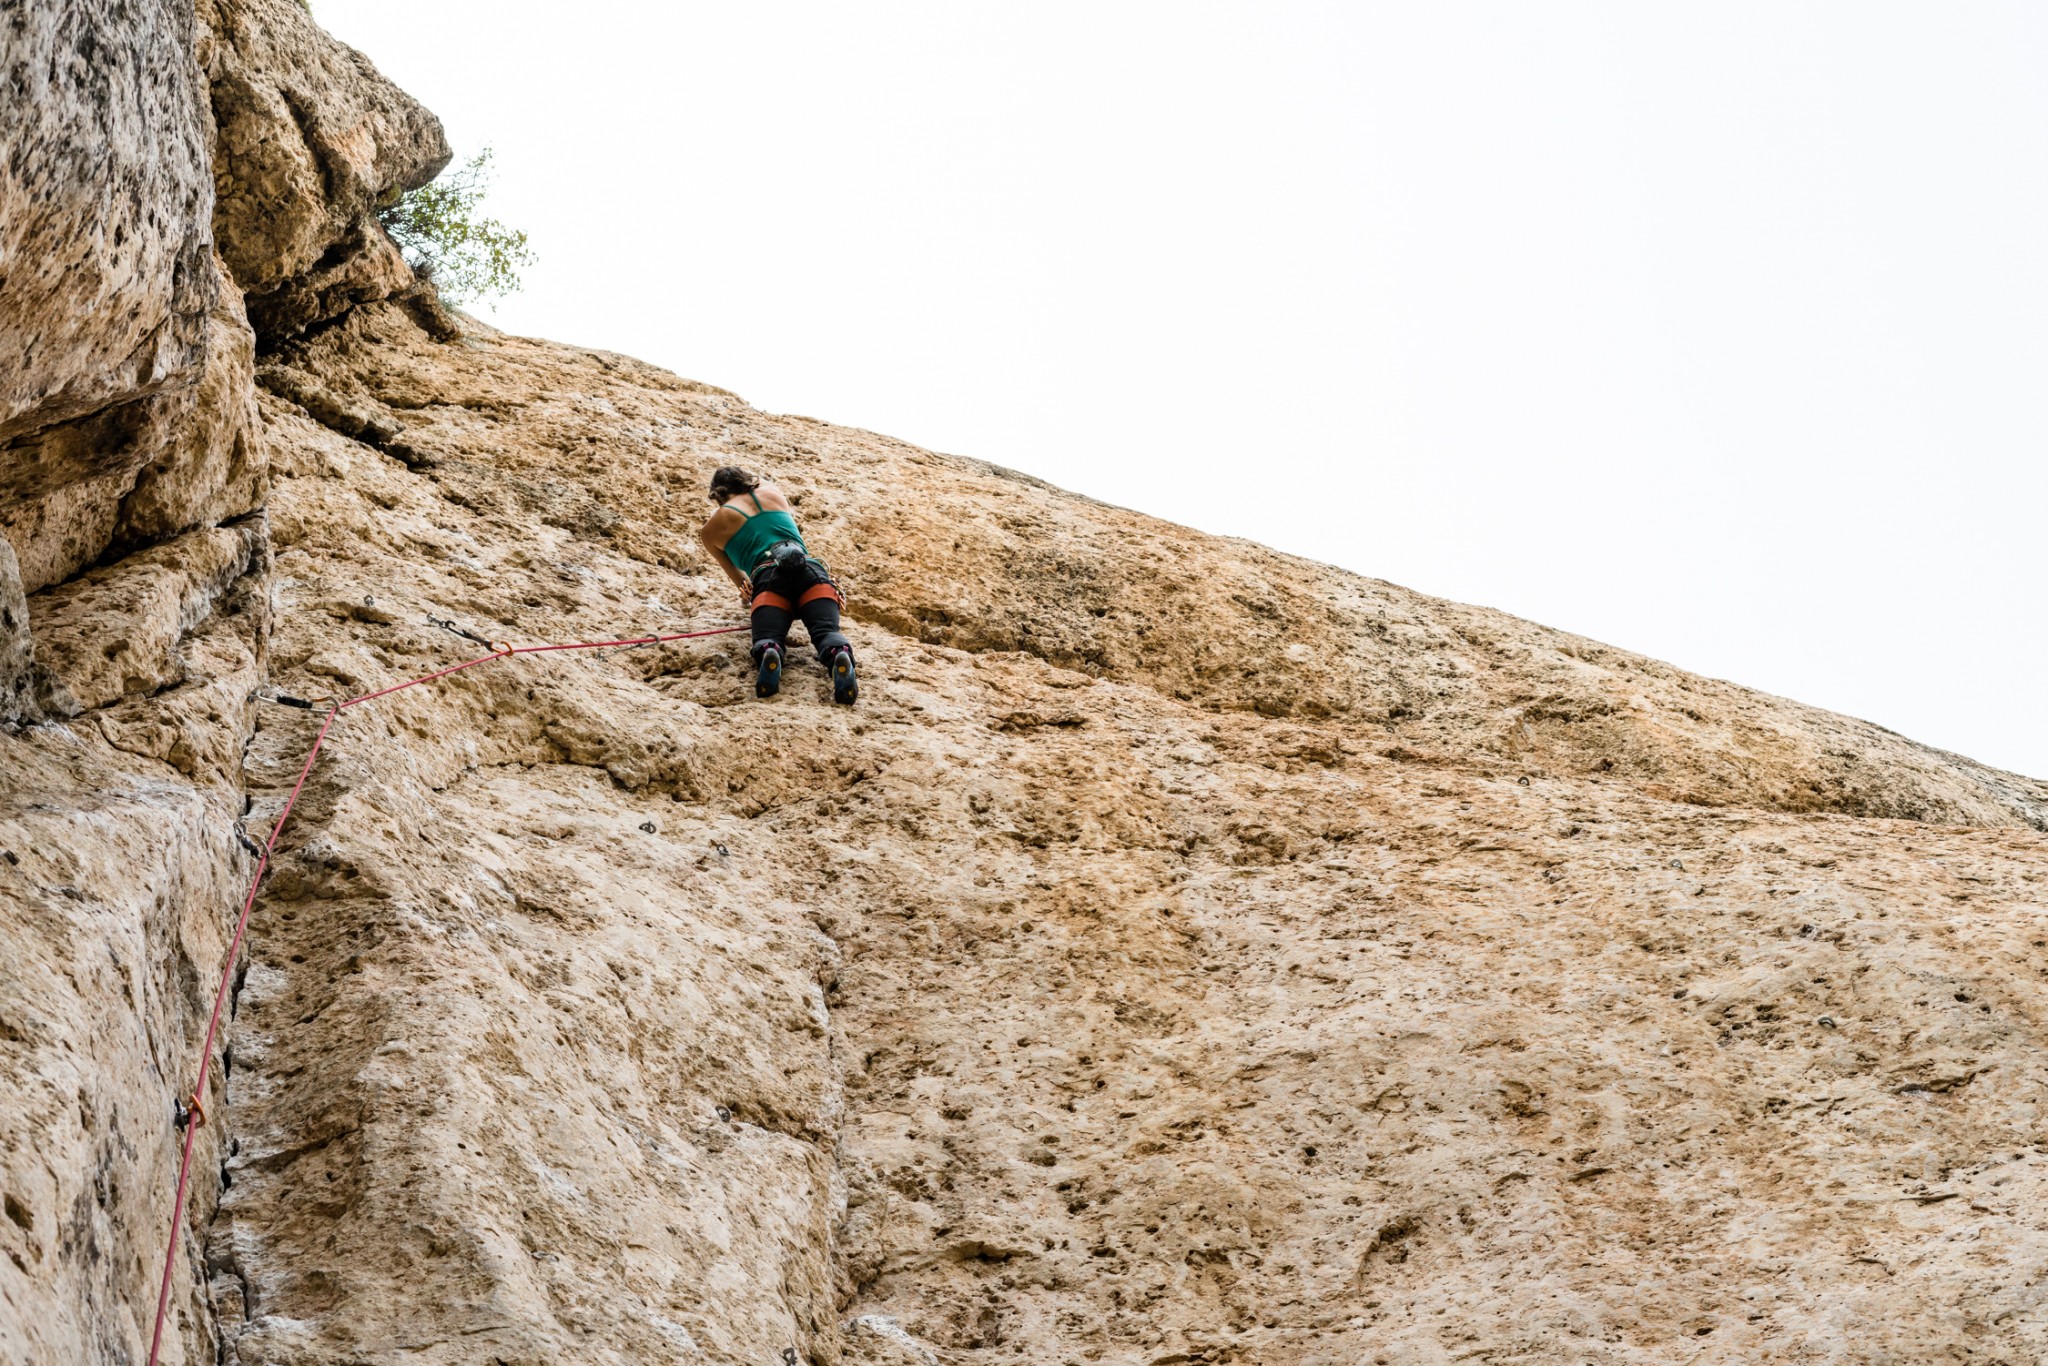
(17, 652)
(1057, 1017)
(105, 197)
(1184, 952)
(212, 465)
(310, 138)
(963, 554)
(135, 588)
(126, 341)
(108, 283)
(119, 869)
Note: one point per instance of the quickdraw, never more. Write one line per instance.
(455, 629)
(282, 699)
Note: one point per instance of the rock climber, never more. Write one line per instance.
(754, 538)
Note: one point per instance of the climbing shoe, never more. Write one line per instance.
(767, 669)
(845, 683)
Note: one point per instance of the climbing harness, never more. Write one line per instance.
(792, 569)
(189, 1112)
(764, 597)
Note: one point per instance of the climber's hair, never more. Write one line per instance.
(731, 481)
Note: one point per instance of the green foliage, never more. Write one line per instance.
(467, 257)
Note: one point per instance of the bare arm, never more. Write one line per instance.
(715, 533)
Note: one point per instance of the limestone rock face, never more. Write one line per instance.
(122, 344)
(120, 868)
(1032, 1010)
(1220, 626)
(17, 652)
(310, 138)
(127, 408)
(211, 463)
(1183, 953)
(142, 470)
(116, 632)
(129, 447)
(105, 196)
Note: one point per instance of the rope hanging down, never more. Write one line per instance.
(192, 1110)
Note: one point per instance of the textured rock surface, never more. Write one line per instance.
(110, 300)
(124, 376)
(1184, 953)
(311, 136)
(115, 632)
(989, 561)
(211, 464)
(126, 407)
(119, 868)
(1059, 1017)
(17, 651)
(134, 611)
(104, 199)
(139, 471)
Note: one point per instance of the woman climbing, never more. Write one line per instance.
(754, 538)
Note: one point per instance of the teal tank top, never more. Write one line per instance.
(757, 533)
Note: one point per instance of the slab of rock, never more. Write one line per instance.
(117, 631)
(17, 649)
(122, 345)
(1183, 953)
(212, 463)
(1031, 1010)
(105, 199)
(310, 138)
(119, 873)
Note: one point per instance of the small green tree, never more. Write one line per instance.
(466, 257)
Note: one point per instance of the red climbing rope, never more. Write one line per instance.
(196, 1112)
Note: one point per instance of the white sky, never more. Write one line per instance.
(1712, 330)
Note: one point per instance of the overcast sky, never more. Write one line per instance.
(1717, 331)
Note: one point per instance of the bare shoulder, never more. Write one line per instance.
(721, 524)
(771, 496)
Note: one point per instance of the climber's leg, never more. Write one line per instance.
(835, 651)
(821, 619)
(845, 682)
(771, 622)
